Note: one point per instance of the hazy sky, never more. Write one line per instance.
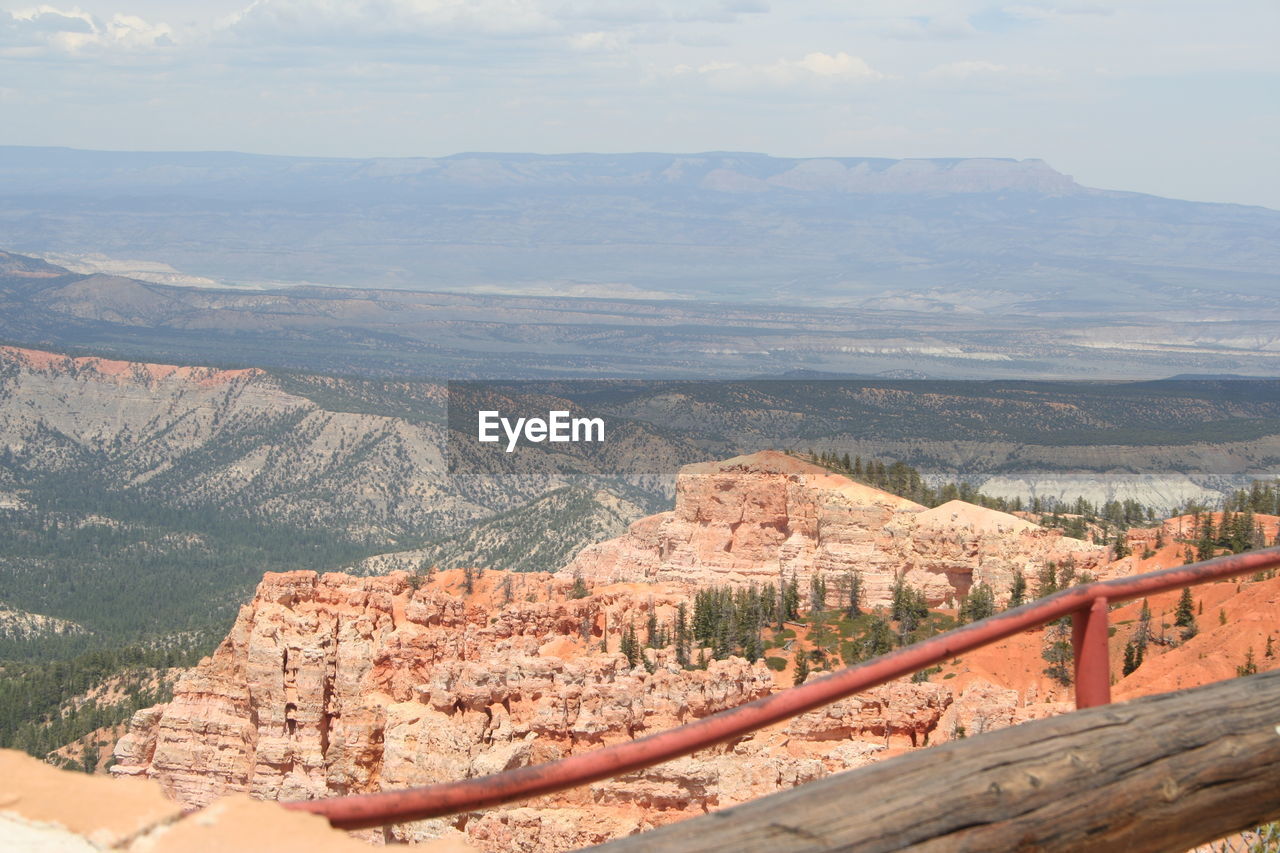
(1171, 97)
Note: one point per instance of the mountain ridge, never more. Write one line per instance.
(737, 227)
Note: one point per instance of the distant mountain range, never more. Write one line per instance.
(437, 335)
(917, 236)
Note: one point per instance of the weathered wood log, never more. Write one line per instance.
(1162, 773)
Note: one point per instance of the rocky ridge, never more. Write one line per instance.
(234, 440)
(23, 625)
(752, 518)
(332, 684)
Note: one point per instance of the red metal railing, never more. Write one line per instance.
(1086, 604)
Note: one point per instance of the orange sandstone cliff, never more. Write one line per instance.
(332, 684)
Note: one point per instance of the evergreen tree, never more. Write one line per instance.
(978, 604)
(1057, 654)
(1249, 667)
(682, 635)
(791, 599)
(1047, 579)
(768, 604)
(855, 595)
(1185, 614)
(1205, 544)
(1142, 635)
(1120, 547)
(879, 640)
(1133, 655)
(802, 668)
(1018, 591)
(630, 647)
(817, 592)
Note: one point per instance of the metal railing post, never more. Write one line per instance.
(1092, 659)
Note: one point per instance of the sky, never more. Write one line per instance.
(1169, 97)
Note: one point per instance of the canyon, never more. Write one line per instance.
(331, 684)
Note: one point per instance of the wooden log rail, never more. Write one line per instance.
(1162, 773)
(1086, 605)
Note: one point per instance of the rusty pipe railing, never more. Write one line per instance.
(1086, 604)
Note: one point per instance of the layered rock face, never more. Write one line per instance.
(335, 684)
(753, 517)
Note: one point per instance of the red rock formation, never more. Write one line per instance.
(752, 517)
(335, 684)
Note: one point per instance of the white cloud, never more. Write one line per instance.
(971, 69)
(597, 40)
(330, 21)
(947, 26)
(590, 23)
(629, 12)
(45, 30)
(1046, 11)
(822, 69)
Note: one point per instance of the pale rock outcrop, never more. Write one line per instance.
(752, 518)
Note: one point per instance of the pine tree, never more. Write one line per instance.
(1249, 667)
(1018, 592)
(579, 588)
(1205, 544)
(682, 635)
(879, 640)
(855, 595)
(1121, 544)
(1185, 614)
(1047, 580)
(817, 592)
(791, 599)
(1143, 635)
(630, 647)
(802, 668)
(978, 604)
(1057, 653)
(1133, 655)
